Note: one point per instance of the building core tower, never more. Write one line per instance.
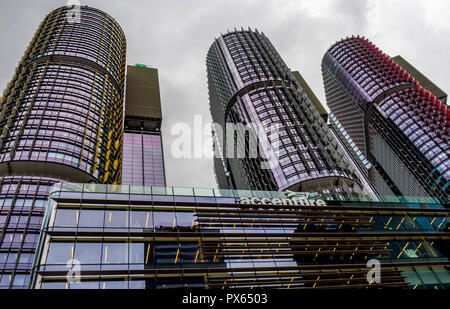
(143, 160)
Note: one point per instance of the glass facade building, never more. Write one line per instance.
(61, 120)
(397, 129)
(250, 85)
(165, 237)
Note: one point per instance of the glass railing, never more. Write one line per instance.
(223, 193)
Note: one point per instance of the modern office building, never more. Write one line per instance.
(251, 88)
(160, 238)
(143, 160)
(61, 120)
(397, 130)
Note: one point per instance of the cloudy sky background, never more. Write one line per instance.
(174, 36)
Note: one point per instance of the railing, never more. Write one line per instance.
(225, 193)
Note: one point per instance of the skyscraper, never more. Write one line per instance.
(249, 84)
(61, 120)
(143, 160)
(397, 128)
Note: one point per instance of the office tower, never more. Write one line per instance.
(61, 120)
(163, 238)
(250, 85)
(422, 79)
(396, 128)
(143, 161)
(311, 95)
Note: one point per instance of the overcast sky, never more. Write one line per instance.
(174, 36)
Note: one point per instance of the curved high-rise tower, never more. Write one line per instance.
(398, 129)
(249, 84)
(61, 120)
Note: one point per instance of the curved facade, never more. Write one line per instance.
(61, 120)
(395, 123)
(249, 84)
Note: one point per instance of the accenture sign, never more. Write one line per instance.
(292, 198)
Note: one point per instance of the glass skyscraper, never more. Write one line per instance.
(397, 129)
(61, 120)
(249, 84)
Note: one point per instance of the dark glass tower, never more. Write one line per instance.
(143, 160)
(61, 120)
(398, 129)
(249, 84)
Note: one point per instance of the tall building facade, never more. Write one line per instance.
(250, 85)
(397, 130)
(61, 120)
(143, 159)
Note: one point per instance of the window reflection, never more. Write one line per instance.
(88, 253)
(164, 219)
(53, 285)
(67, 217)
(116, 218)
(83, 285)
(115, 253)
(91, 218)
(113, 285)
(141, 219)
(137, 253)
(185, 219)
(59, 252)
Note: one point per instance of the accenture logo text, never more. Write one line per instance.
(294, 199)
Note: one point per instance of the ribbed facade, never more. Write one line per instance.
(250, 84)
(61, 120)
(390, 119)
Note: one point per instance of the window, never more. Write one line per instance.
(116, 218)
(91, 218)
(138, 253)
(141, 219)
(185, 219)
(59, 253)
(115, 253)
(53, 285)
(20, 280)
(164, 219)
(67, 217)
(88, 253)
(114, 285)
